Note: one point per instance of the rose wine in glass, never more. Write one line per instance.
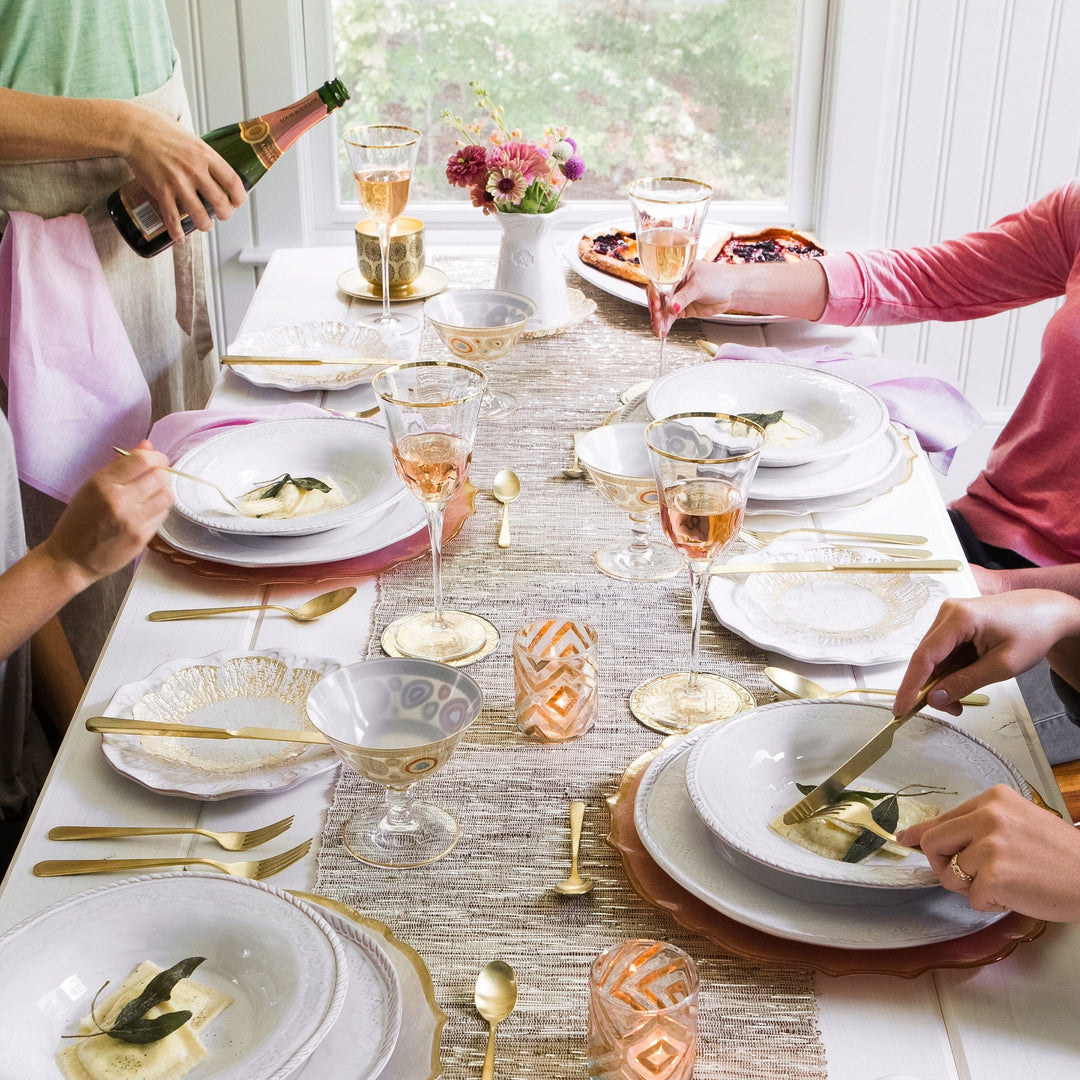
(703, 464)
(669, 212)
(431, 410)
(382, 157)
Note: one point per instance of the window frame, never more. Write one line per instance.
(328, 219)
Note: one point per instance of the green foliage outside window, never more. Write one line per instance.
(686, 87)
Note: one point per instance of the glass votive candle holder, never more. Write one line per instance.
(556, 675)
(643, 1007)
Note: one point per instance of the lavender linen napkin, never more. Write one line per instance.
(935, 410)
(74, 385)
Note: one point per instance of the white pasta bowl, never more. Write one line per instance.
(276, 957)
(831, 415)
(743, 774)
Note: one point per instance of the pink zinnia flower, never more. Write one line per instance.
(521, 157)
(506, 185)
(482, 198)
(467, 166)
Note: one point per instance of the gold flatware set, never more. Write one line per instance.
(575, 884)
(918, 566)
(114, 725)
(229, 841)
(313, 609)
(190, 476)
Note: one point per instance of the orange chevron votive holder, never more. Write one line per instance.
(556, 676)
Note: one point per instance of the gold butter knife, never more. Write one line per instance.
(922, 566)
(112, 725)
(309, 361)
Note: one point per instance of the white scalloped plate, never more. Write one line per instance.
(823, 618)
(277, 957)
(218, 691)
(322, 340)
(684, 848)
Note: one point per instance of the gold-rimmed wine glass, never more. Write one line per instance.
(703, 464)
(431, 409)
(669, 212)
(382, 157)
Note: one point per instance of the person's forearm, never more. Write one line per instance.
(1064, 579)
(799, 290)
(58, 686)
(36, 126)
(32, 591)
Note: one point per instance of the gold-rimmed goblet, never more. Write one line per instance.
(703, 464)
(669, 212)
(396, 720)
(382, 157)
(617, 461)
(431, 408)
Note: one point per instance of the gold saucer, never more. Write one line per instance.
(388, 641)
(650, 702)
(430, 282)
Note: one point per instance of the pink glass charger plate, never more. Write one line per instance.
(458, 511)
(654, 886)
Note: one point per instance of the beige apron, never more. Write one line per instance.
(162, 303)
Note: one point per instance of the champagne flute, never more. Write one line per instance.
(382, 157)
(431, 408)
(703, 464)
(668, 214)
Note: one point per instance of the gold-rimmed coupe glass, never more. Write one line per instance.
(382, 157)
(669, 212)
(431, 409)
(703, 464)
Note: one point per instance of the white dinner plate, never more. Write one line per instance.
(276, 957)
(839, 415)
(321, 340)
(225, 689)
(684, 848)
(355, 455)
(823, 618)
(383, 527)
(360, 1046)
(635, 294)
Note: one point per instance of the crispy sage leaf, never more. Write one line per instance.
(310, 483)
(150, 1029)
(155, 992)
(304, 483)
(762, 419)
(886, 814)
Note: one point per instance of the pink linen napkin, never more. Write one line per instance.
(935, 410)
(75, 388)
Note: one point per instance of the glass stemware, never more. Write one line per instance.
(669, 212)
(382, 157)
(431, 410)
(396, 720)
(703, 464)
(617, 461)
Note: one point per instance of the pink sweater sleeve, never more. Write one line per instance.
(1023, 258)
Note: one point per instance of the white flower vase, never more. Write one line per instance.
(530, 265)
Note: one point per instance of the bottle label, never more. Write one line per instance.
(257, 134)
(142, 211)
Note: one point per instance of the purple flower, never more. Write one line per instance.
(566, 138)
(467, 166)
(574, 168)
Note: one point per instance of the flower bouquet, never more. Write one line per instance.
(509, 175)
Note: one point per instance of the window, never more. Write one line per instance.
(724, 90)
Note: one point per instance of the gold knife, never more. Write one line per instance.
(112, 725)
(915, 567)
(831, 787)
(308, 361)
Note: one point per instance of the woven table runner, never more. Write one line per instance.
(492, 896)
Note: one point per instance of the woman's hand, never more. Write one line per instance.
(1017, 856)
(705, 291)
(176, 167)
(112, 516)
(1011, 632)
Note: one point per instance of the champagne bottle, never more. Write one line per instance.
(250, 147)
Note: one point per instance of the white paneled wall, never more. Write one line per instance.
(938, 116)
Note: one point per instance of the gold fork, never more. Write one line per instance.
(191, 476)
(230, 841)
(857, 813)
(761, 538)
(256, 870)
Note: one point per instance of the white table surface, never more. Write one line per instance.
(1016, 1018)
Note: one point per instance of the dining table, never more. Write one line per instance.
(492, 897)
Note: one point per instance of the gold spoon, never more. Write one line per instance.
(575, 884)
(800, 687)
(506, 488)
(189, 476)
(574, 470)
(315, 607)
(495, 997)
